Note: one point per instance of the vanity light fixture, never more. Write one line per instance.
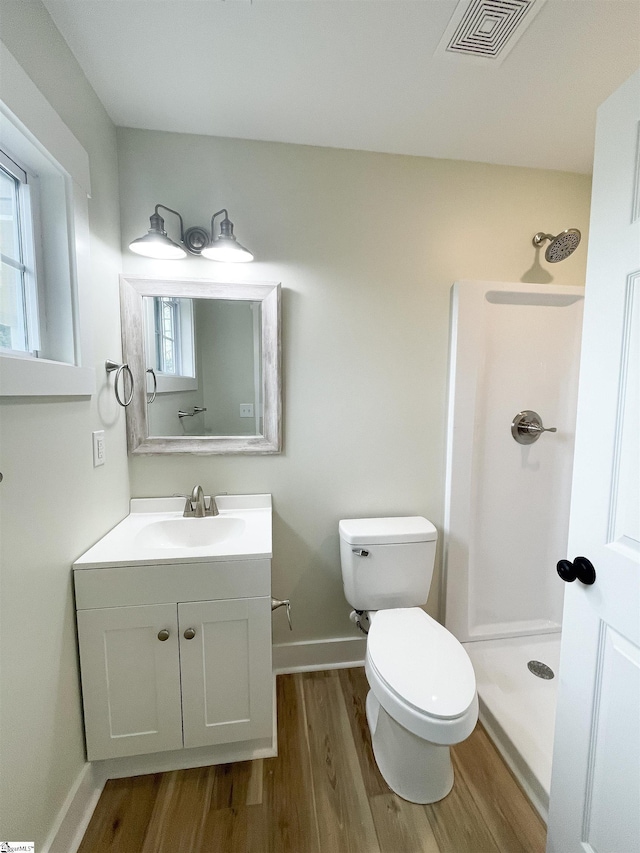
(225, 247)
(195, 240)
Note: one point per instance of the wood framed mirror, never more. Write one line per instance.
(205, 358)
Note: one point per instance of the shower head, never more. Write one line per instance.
(560, 246)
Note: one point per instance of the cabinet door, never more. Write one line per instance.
(227, 680)
(130, 680)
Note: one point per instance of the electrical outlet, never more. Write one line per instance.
(98, 447)
(246, 410)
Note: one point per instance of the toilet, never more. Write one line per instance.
(422, 694)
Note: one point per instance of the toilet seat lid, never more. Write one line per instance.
(421, 662)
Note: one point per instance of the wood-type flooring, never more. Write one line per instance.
(322, 794)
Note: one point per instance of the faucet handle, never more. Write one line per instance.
(212, 508)
(188, 507)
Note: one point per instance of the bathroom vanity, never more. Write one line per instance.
(174, 630)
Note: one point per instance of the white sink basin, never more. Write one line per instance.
(155, 533)
(190, 532)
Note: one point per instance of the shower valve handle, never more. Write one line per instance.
(535, 428)
(580, 568)
(527, 427)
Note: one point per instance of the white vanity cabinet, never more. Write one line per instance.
(226, 670)
(130, 680)
(174, 656)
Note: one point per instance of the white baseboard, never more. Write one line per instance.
(74, 816)
(185, 759)
(311, 655)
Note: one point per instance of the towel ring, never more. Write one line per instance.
(110, 367)
(155, 386)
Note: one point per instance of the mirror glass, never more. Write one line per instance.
(205, 361)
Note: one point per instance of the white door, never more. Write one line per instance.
(227, 682)
(595, 786)
(130, 680)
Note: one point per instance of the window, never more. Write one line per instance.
(167, 329)
(45, 332)
(38, 253)
(170, 342)
(19, 326)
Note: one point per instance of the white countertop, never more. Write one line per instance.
(125, 545)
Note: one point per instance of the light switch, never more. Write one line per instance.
(98, 447)
(246, 410)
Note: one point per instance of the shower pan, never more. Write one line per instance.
(513, 380)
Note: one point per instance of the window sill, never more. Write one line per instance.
(37, 377)
(168, 384)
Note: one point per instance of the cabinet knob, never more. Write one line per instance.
(190, 633)
(163, 635)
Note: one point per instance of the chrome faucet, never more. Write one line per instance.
(197, 502)
(196, 506)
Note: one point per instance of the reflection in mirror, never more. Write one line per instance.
(205, 357)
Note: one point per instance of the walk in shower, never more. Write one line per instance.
(515, 352)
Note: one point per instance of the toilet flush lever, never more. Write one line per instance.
(360, 552)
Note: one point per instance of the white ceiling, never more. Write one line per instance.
(355, 74)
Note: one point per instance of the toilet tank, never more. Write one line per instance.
(387, 562)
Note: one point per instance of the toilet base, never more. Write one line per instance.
(414, 769)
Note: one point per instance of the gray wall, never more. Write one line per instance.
(366, 247)
(54, 503)
(225, 336)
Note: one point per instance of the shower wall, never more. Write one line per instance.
(513, 347)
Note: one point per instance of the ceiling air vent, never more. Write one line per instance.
(487, 29)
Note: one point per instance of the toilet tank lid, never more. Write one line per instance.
(387, 531)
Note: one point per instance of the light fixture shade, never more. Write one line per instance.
(156, 244)
(225, 247)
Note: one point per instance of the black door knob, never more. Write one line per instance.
(581, 568)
